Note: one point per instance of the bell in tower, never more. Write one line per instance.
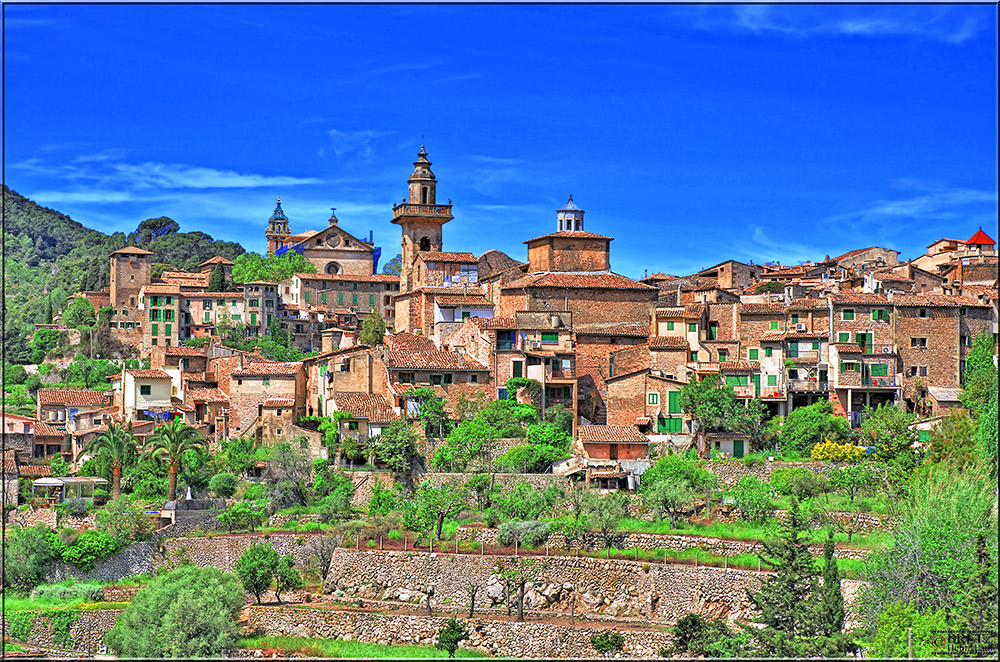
(277, 229)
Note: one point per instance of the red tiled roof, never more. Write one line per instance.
(148, 374)
(39, 470)
(859, 297)
(739, 365)
(46, 430)
(430, 256)
(16, 417)
(617, 434)
(572, 235)
(161, 289)
(857, 251)
(807, 303)
(265, 369)
(668, 342)
(348, 278)
(181, 350)
(71, 397)
(694, 310)
(207, 395)
(773, 336)
(763, 309)
(463, 300)
(604, 280)
(410, 342)
(935, 301)
(362, 405)
(633, 329)
(890, 276)
(980, 239)
(641, 420)
(847, 348)
(431, 359)
(217, 258)
(279, 403)
(502, 323)
(980, 290)
(706, 366)
(132, 250)
(184, 278)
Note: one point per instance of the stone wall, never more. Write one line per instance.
(363, 480)
(729, 472)
(86, 634)
(135, 559)
(865, 522)
(496, 638)
(224, 550)
(593, 540)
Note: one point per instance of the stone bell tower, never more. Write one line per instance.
(420, 218)
(277, 229)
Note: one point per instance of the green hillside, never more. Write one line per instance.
(49, 256)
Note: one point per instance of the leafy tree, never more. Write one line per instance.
(708, 403)
(383, 500)
(59, 466)
(238, 455)
(152, 229)
(797, 617)
(242, 515)
(607, 641)
(468, 406)
(394, 267)
(223, 484)
(43, 342)
(886, 427)
(27, 555)
(397, 449)
(481, 485)
(853, 480)
(524, 502)
(560, 416)
(952, 438)
(933, 552)
(217, 281)
(753, 498)
(273, 268)
(831, 600)
(432, 412)
(189, 612)
(986, 431)
(334, 488)
(125, 521)
(372, 330)
(807, 426)
(289, 476)
(321, 550)
(770, 287)
(800, 482)
(606, 512)
(117, 444)
(980, 374)
(169, 442)
(256, 567)
(79, 313)
(432, 505)
(286, 577)
(669, 496)
(14, 349)
(892, 638)
(14, 374)
(451, 635)
(531, 458)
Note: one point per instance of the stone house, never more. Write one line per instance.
(60, 407)
(162, 326)
(612, 453)
(324, 294)
(146, 395)
(265, 397)
(647, 401)
(370, 413)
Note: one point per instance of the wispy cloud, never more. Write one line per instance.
(930, 22)
(354, 142)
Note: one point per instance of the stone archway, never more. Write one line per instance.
(425, 243)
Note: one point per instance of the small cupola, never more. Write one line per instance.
(333, 216)
(570, 217)
(422, 181)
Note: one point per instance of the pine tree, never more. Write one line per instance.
(372, 330)
(831, 605)
(48, 308)
(217, 281)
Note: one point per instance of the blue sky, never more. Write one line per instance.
(691, 134)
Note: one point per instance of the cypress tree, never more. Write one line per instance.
(48, 308)
(217, 281)
(831, 604)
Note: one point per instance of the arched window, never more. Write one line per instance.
(423, 196)
(425, 242)
(333, 268)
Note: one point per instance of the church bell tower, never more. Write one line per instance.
(277, 229)
(420, 218)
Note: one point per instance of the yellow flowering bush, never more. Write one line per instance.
(831, 451)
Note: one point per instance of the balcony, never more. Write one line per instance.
(442, 212)
(805, 356)
(879, 382)
(808, 385)
(772, 392)
(744, 391)
(563, 374)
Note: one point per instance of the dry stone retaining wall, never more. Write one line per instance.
(85, 634)
(649, 541)
(497, 638)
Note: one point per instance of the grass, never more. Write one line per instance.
(12, 648)
(350, 649)
(22, 603)
(745, 531)
(849, 567)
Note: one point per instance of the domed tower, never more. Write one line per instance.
(420, 218)
(570, 217)
(277, 229)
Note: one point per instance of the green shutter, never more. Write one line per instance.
(354, 299)
(322, 297)
(774, 325)
(156, 329)
(815, 344)
(208, 317)
(152, 314)
(731, 380)
(168, 328)
(843, 336)
(795, 319)
(253, 319)
(306, 297)
(723, 355)
(772, 380)
(694, 356)
(340, 298)
(880, 370)
(755, 378)
(768, 351)
(371, 300)
(670, 326)
(692, 326)
(674, 402)
(753, 354)
(793, 349)
(550, 337)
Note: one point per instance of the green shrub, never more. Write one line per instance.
(223, 485)
(88, 592)
(531, 533)
(85, 549)
(607, 641)
(19, 624)
(394, 534)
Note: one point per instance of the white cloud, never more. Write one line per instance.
(346, 142)
(173, 175)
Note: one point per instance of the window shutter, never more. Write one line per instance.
(753, 354)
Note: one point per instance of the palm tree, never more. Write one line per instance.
(116, 443)
(170, 442)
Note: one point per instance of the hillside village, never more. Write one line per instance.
(546, 375)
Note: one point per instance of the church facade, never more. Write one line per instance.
(333, 250)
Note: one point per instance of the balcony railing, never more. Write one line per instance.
(801, 385)
(408, 209)
(743, 391)
(563, 374)
(805, 356)
(888, 382)
(771, 392)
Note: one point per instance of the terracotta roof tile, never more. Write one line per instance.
(739, 365)
(935, 301)
(773, 336)
(668, 342)
(37, 470)
(207, 395)
(859, 298)
(409, 342)
(184, 278)
(763, 309)
(181, 350)
(502, 323)
(431, 359)
(72, 397)
(857, 251)
(279, 403)
(217, 258)
(633, 329)
(694, 310)
(980, 239)
(161, 289)
(148, 374)
(430, 256)
(462, 300)
(579, 280)
(807, 303)
(362, 405)
(348, 278)
(610, 433)
(265, 369)
(132, 250)
(46, 430)
(847, 348)
(570, 234)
